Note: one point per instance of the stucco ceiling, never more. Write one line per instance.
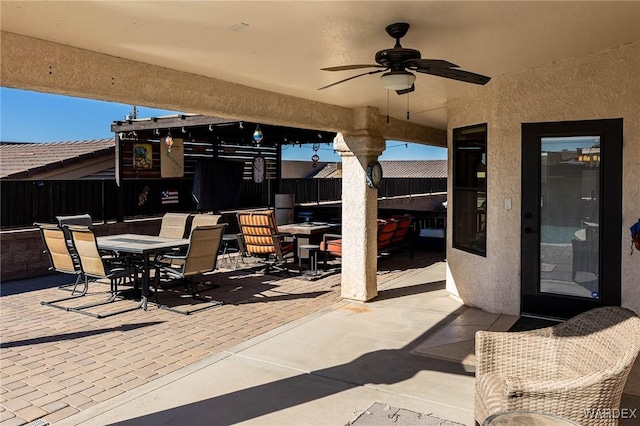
(282, 45)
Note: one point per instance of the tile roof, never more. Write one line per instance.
(396, 169)
(21, 160)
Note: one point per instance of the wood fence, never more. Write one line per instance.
(26, 202)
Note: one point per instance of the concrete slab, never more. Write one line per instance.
(242, 391)
(242, 388)
(324, 368)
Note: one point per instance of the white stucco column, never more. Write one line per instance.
(359, 206)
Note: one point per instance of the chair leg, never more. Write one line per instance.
(112, 298)
(191, 287)
(54, 303)
(67, 286)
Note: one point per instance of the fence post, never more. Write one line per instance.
(119, 201)
(50, 201)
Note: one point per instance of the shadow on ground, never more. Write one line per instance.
(76, 335)
(10, 288)
(381, 367)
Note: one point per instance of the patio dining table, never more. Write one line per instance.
(145, 246)
(308, 233)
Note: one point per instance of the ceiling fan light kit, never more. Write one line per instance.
(397, 80)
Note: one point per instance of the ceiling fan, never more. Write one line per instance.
(397, 62)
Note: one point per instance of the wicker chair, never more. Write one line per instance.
(563, 370)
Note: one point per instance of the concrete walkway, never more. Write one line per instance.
(322, 369)
(279, 346)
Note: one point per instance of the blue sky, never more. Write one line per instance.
(39, 117)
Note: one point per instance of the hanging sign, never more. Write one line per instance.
(259, 169)
(142, 156)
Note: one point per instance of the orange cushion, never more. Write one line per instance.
(333, 246)
(385, 233)
(404, 223)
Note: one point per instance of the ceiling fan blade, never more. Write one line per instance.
(351, 78)
(429, 63)
(351, 67)
(405, 91)
(460, 75)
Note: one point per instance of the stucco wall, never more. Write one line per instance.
(597, 86)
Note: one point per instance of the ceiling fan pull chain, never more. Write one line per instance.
(407, 107)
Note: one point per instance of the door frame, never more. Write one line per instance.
(610, 255)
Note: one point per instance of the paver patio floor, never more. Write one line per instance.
(56, 363)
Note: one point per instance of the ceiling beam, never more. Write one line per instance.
(33, 64)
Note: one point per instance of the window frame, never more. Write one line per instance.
(470, 183)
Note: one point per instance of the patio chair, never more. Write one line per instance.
(201, 257)
(230, 242)
(78, 219)
(62, 260)
(402, 235)
(260, 238)
(204, 219)
(93, 264)
(175, 225)
(562, 370)
(332, 243)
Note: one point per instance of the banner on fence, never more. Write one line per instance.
(170, 196)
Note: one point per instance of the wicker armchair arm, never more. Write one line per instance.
(517, 387)
(568, 398)
(510, 353)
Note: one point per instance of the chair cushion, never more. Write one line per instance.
(404, 223)
(333, 247)
(385, 232)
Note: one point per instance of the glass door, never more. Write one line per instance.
(571, 205)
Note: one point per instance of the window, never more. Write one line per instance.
(470, 189)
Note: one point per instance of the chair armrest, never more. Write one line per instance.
(173, 256)
(334, 236)
(516, 387)
(568, 398)
(283, 235)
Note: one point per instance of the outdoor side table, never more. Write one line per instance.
(529, 418)
(313, 257)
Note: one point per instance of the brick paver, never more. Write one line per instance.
(56, 363)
